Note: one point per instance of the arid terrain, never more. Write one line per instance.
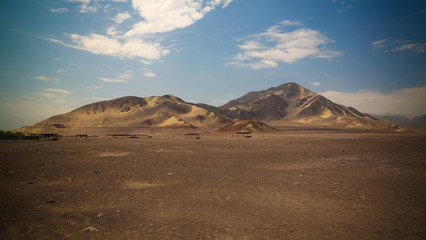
(285, 185)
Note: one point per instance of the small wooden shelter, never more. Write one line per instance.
(192, 136)
(243, 134)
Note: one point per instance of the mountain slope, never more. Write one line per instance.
(291, 103)
(165, 111)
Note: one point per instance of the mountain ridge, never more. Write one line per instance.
(131, 111)
(290, 102)
(286, 104)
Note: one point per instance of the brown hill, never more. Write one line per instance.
(246, 126)
(287, 105)
(291, 103)
(131, 112)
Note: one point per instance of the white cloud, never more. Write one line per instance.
(150, 74)
(112, 31)
(166, 15)
(226, 3)
(121, 17)
(406, 101)
(122, 78)
(46, 79)
(128, 48)
(59, 10)
(292, 23)
(146, 62)
(266, 50)
(122, 48)
(88, 6)
(140, 41)
(316, 83)
(60, 91)
(112, 80)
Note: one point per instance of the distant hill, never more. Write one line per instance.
(167, 111)
(246, 126)
(291, 103)
(404, 119)
(287, 104)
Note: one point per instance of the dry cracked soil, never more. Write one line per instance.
(311, 185)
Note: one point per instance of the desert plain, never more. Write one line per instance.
(292, 184)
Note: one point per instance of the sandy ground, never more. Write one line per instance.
(277, 186)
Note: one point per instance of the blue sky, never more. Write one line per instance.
(58, 55)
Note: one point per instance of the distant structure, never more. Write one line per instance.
(45, 136)
(244, 134)
(192, 136)
(129, 135)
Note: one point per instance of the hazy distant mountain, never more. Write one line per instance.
(404, 119)
(292, 103)
(165, 111)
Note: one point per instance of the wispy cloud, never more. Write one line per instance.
(88, 6)
(316, 83)
(122, 78)
(412, 47)
(53, 95)
(60, 91)
(268, 49)
(49, 95)
(93, 87)
(121, 17)
(59, 10)
(292, 23)
(407, 100)
(344, 4)
(112, 80)
(379, 43)
(62, 70)
(150, 74)
(47, 79)
(97, 99)
(387, 46)
(421, 12)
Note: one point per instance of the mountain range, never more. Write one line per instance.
(416, 120)
(286, 105)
